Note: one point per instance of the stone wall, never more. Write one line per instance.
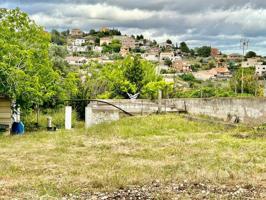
(249, 110)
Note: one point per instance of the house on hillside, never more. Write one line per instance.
(97, 49)
(215, 73)
(124, 51)
(234, 57)
(221, 73)
(181, 66)
(167, 55)
(215, 52)
(76, 33)
(5, 113)
(81, 49)
(104, 29)
(260, 70)
(105, 40)
(79, 42)
(251, 62)
(128, 42)
(153, 57)
(76, 61)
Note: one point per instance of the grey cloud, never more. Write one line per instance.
(208, 22)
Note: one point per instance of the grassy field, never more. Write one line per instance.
(133, 151)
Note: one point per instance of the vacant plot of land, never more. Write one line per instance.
(160, 157)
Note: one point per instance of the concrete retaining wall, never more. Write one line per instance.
(249, 110)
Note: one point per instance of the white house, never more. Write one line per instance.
(261, 70)
(251, 62)
(97, 49)
(77, 49)
(105, 40)
(153, 57)
(167, 55)
(77, 61)
(79, 42)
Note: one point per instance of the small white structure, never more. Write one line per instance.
(88, 116)
(151, 57)
(260, 70)
(167, 55)
(68, 118)
(251, 62)
(76, 61)
(97, 49)
(79, 42)
(81, 49)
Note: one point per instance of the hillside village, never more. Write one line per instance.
(205, 63)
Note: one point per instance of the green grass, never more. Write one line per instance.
(132, 151)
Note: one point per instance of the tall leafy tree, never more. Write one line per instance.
(26, 73)
(204, 51)
(251, 54)
(134, 72)
(184, 48)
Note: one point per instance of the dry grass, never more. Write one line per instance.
(133, 151)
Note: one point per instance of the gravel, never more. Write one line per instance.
(188, 190)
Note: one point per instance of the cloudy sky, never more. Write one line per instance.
(198, 22)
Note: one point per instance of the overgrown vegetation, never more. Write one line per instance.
(133, 151)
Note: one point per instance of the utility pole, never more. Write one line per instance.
(244, 46)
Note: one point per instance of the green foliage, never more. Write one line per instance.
(140, 37)
(195, 67)
(58, 38)
(114, 47)
(168, 41)
(57, 54)
(151, 89)
(184, 48)
(27, 74)
(134, 72)
(251, 84)
(58, 119)
(188, 77)
(251, 54)
(204, 51)
(168, 62)
(115, 80)
(100, 34)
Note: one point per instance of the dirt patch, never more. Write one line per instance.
(184, 190)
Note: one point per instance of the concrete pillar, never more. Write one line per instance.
(160, 101)
(88, 116)
(68, 118)
(264, 88)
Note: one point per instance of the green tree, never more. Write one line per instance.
(251, 84)
(251, 54)
(168, 62)
(58, 38)
(26, 73)
(57, 55)
(134, 72)
(114, 47)
(184, 48)
(204, 51)
(168, 41)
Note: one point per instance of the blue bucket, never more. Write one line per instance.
(18, 128)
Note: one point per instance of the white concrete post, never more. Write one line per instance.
(160, 101)
(68, 118)
(88, 116)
